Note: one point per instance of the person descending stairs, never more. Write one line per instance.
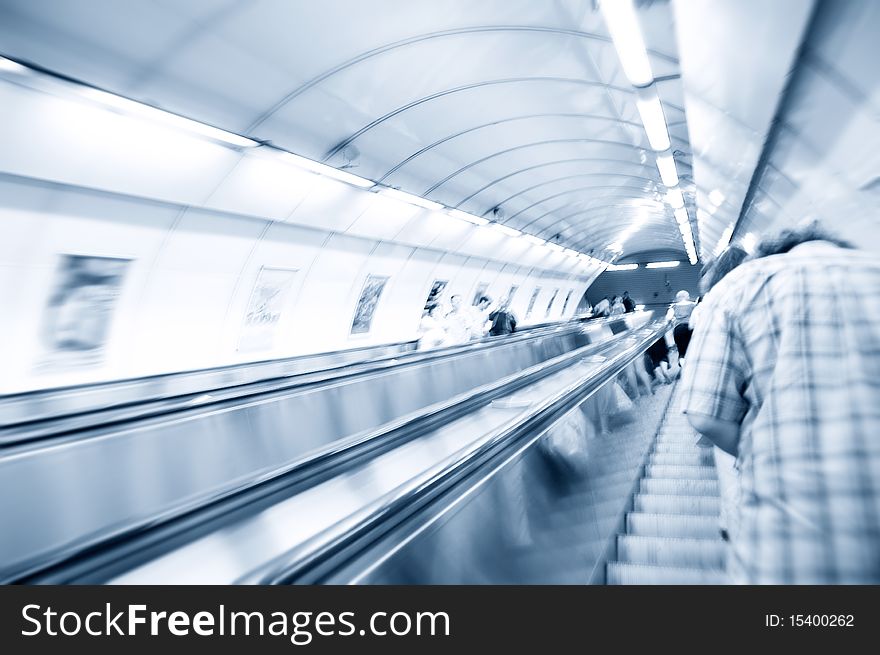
(672, 533)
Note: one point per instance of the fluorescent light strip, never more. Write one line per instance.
(554, 246)
(509, 231)
(666, 166)
(674, 198)
(329, 171)
(716, 197)
(142, 110)
(9, 66)
(570, 252)
(465, 216)
(662, 264)
(533, 239)
(681, 215)
(654, 121)
(623, 26)
(724, 240)
(622, 267)
(411, 198)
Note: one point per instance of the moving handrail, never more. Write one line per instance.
(94, 560)
(314, 560)
(59, 402)
(31, 415)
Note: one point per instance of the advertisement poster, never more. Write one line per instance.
(567, 298)
(550, 304)
(366, 306)
(534, 297)
(435, 296)
(77, 318)
(482, 287)
(510, 294)
(264, 308)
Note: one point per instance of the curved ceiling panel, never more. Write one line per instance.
(509, 104)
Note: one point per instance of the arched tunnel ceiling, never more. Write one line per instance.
(517, 104)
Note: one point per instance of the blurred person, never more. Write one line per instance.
(432, 329)
(603, 307)
(480, 317)
(502, 320)
(617, 307)
(657, 362)
(680, 312)
(628, 304)
(458, 321)
(725, 463)
(783, 374)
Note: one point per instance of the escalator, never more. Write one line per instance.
(468, 490)
(130, 487)
(672, 534)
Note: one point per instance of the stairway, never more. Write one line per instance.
(672, 534)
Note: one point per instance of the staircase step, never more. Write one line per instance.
(619, 573)
(670, 551)
(677, 504)
(683, 459)
(672, 486)
(680, 472)
(692, 526)
(660, 447)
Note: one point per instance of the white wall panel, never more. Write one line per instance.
(95, 147)
(331, 205)
(263, 184)
(384, 217)
(324, 310)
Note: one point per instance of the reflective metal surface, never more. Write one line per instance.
(97, 483)
(265, 546)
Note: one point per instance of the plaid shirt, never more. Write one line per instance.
(789, 347)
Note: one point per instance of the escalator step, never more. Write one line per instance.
(680, 472)
(639, 574)
(691, 526)
(680, 504)
(673, 486)
(677, 448)
(666, 551)
(683, 459)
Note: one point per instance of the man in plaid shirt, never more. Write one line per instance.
(784, 373)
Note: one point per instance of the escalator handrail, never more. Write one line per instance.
(342, 455)
(12, 433)
(309, 561)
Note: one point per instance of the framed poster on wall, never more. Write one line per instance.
(366, 305)
(265, 305)
(435, 295)
(479, 292)
(80, 309)
(510, 294)
(550, 304)
(532, 300)
(567, 298)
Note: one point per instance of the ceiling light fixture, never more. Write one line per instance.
(411, 198)
(509, 231)
(654, 121)
(666, 166)
(674, 198)
(141, 110)
(465, 216)
(662, 264)
(329, 171)
(623, 26)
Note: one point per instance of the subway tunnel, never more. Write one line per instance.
(227, 229)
